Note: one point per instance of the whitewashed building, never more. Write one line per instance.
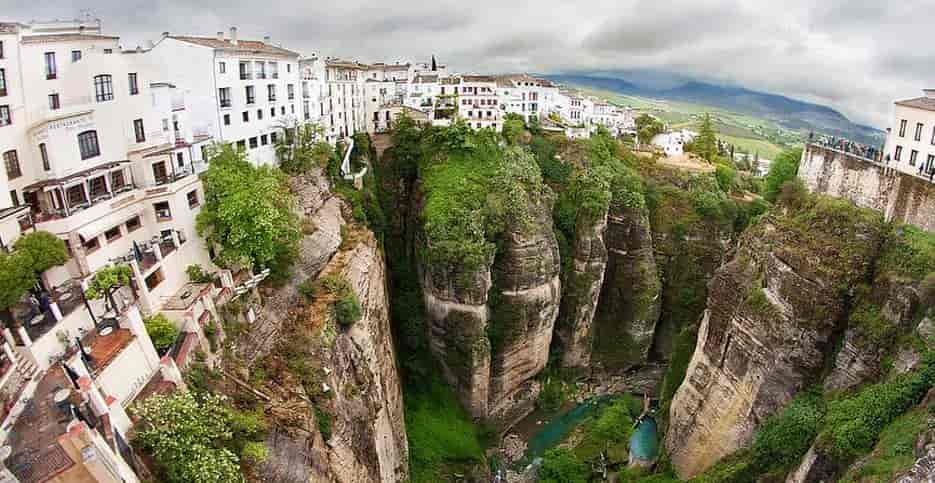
(910, 141)
(473, 98)
(239, 91)
(524, 95)
(673, 143)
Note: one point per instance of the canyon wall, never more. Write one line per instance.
(899, 196)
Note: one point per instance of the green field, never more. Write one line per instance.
(747, 133)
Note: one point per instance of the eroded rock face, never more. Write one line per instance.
(771, 315)
(491, 341)
(582, 288)
(629, 304)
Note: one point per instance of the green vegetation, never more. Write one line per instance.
(440, 431)
(162, 332)
(647, 127)
(909, 253)
(33, 253)
(682, 351)
(108, 280)
(338, 293)
(560, 466)
(198, 438)
(300, 147)
(894, 450)
(247, 215)
(198, 275)
(609, 432)
(513, 127)
(783, 169)
(705, 144)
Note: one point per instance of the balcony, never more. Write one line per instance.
(275, 75)
(225, 104)
(272, 98)
(261, 75)
(36, 314)
(246, 76)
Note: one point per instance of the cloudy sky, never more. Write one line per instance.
(856, 56)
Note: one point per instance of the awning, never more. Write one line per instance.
(105, 223)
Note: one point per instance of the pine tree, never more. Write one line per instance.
(706, 142)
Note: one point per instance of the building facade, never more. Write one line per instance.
(910, 141)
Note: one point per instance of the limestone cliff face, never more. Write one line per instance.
(490, 328)
(582, 287)
(629, 303)
(333, 394)
(771, 316)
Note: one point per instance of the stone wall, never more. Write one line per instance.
(899, 196)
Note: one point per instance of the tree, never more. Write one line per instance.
(705, 144)
(300, 147)
(247, 215)
(784, 168)
(188, 435)
(513, 127)
(559, 465)
(106, 281)
(162, 331)
(647, 127)
(21, 269)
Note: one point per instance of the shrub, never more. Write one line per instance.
(783, 169)
(307, 289)
(559, 465)
(198, 275)
(255, 452)
(162, 332)
(347, 310)
(726, 177)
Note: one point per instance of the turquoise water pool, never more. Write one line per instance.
(644, 443)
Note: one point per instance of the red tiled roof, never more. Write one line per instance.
(243, 46)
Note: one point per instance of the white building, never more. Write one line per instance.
(472, 98)
(525, 95)
(238, 91)
(910, 142)
(616, 120)
(673, 143)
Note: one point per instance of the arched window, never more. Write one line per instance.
(87, 143)
(103, 88)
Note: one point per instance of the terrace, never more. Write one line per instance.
(36, 313)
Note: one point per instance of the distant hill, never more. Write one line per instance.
(788, 113)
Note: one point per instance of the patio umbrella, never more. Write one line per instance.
(72, 375)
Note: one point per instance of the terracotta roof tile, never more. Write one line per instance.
(43, 39)
(243, 46)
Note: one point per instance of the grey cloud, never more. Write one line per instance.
(856, 55)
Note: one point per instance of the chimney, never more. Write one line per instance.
(234, 35)
(266, 39)
(929, 93)
(220, 35)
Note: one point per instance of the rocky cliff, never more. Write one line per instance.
(772, 315)
(333, 392)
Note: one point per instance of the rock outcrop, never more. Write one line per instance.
(490, 328)
(629, 303)
(772, 315)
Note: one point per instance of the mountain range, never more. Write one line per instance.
(789, 113)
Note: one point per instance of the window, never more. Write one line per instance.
(51, 71)
(193, 199)
(91, 245)
(245, 116)
(165, 125)
(899, 153)
(292, 109)
(1, 49)
(241, 145)
(918, 136)
(5, 118)
(244, 73)
(103, 88)
(913, 155)
(98, 187)
(204, 153)
(261, 70)
(180, 159)
(222, 67)
(273, 136)
(274, 70)
(272, 112)
(933, 135)
(112, 234)
(253, 143)
(902, 128)
(282, 110)
(162, 211)
(227, 119)
(14, 197)
(11, 161)
(264, 140)
(108, 51)
(930, 163)
(271, 91)
(138, 130)
(54, 102)
(259, 114)
(134, 224)
(75, 55)
(224, 96)
(160, 174)
(154, 279)
(251, 95)
(88, 145)
(44, 154)
(117, 180)
(75, 195)
(2, 82)
(134, 85)
(290, 91)
(288, 67)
